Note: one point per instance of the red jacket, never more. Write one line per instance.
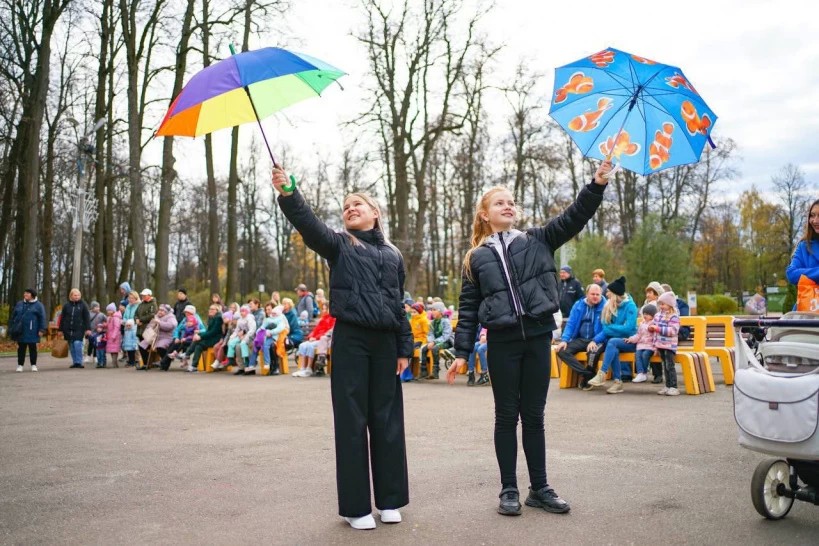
(324, 325)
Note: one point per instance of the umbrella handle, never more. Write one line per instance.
(617, 168)
(291, 186)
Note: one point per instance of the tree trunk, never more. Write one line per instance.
(168, 171)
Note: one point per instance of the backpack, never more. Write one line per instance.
(315, 306)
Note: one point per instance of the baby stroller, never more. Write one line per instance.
(776, 407)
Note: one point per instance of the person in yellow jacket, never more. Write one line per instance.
(419, 322)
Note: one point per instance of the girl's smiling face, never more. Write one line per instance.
(813, 218)
(358, 214)
(501, 212)
(664, 308)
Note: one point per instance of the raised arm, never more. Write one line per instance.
(315, 233)
(561, 229)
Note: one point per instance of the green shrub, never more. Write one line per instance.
(790, 299)
(725, 305)
(5, 311)
(705, 305)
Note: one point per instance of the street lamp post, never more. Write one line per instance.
(242, 279)
(84, 148)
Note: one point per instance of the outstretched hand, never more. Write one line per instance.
(279, 179)
(601, 176)
(457, 366)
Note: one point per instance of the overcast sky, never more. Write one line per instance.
(756, 64)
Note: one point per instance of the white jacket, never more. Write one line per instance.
(245, 329)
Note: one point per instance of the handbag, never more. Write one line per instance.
(59, 348)
(807, 295)
(150, 333)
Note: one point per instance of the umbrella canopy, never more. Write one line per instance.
(220, 95)
(645, 114)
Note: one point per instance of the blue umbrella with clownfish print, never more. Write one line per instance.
(645, 115)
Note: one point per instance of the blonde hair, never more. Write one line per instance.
(373, 204)
(74, 291)
(481, 229)
(287, 301)
(610, 309)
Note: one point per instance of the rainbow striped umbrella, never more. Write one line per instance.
(244, 88)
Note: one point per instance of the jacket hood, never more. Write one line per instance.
(125, 286)
(509, 235)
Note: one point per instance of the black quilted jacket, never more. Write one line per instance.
(366, 281)
(525, 306)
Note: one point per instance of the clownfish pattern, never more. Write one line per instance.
(602, 58)
(643, 60)
(624, 145)
(578, 84)
(678, 80)
(588, 121)
(693, 122)
(660, 150)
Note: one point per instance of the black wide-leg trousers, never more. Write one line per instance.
(368, 413)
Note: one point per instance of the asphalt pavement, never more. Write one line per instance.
(116, 456)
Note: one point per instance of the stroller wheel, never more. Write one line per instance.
(765, 494)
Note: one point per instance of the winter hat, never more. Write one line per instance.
(650, 309)
(245, 308)
(654, 285)
(95, 305)
(278, 310)
(111, 308)
(618, 286)
(419, 307)
(146, 292)
(409, 301)
(668, 298)
(227, 316)
(190, 308)
(438, 306)
(303, 315)
(567, 269)
(183, 291)
(167, 308)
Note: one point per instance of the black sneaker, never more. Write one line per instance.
(657, 379)
(483, 380)
(471, 381)
(547, 499)
(509, 502)
(239, 371)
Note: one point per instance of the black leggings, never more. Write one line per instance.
(21, 353)
(520, 382)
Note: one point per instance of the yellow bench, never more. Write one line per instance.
(720, 343)
(697, 379)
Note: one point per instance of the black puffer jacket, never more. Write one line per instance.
(526, 308)
(75, 320)
(366, 280)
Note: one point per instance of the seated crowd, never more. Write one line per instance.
(602, 321)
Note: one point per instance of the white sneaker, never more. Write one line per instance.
(266, 367)
(390, 516)
(364, 522)
(19, 369)
(598, 380)
(307, 372)
(672, 392)
(639, 378)
(663, 391)
(33, 367)
(297, 373)
(191, 369)
(216, 366)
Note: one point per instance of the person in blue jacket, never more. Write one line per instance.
(805, 259)
(583, 326)
(27, 324)
(619, 322)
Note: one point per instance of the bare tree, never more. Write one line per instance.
(140, 36)
(27, 27)
(417, 65)
(791, 191)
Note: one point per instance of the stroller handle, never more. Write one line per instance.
(783, 323)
